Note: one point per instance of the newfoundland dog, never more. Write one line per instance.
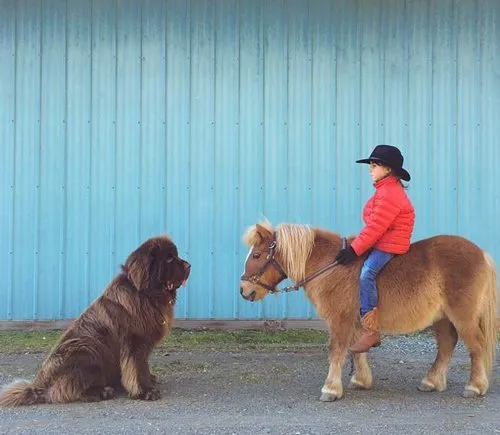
(110, 343)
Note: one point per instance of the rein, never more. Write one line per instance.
(255, 279)
(315, 274)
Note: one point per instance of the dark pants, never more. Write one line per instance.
(373, 264)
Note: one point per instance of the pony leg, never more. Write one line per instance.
(337, 351)
(475, 341)
(362, 377)
(446, 337)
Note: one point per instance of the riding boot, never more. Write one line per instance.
(370, 333)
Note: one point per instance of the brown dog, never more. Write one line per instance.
(111, 341)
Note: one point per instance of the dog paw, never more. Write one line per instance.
(107, 393)
(152, 394)
(96, 394)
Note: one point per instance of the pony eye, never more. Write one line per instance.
(256, 255)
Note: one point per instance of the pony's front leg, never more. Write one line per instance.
(362, 377)
(337, 351)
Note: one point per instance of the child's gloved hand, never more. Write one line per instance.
(346, 256)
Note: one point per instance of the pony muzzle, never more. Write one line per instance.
(250, 296)
(252, 292)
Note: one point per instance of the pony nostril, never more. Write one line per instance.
(241, 291)
(252, 295)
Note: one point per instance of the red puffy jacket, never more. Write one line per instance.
(389, 218)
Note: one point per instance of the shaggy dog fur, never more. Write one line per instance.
(110, 343)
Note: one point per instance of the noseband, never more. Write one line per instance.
(255, 278)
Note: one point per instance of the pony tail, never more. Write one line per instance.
(487, 319)
(21, 393)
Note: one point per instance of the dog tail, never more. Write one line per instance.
(21, 393)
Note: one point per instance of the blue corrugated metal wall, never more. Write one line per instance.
(122, 119)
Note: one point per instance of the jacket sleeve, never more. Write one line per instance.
(383, 215)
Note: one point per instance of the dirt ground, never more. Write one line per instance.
(272, 392)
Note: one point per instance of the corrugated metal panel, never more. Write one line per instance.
(178, 137)
(76, 282)
(50, 228)
(27, 262)
(252, 110)
(226, 116)
(8, 160)
(125, 119)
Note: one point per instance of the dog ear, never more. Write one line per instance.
(137, 270)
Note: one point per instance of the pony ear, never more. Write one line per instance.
(137, 270)
(256, 234)
(263, 232)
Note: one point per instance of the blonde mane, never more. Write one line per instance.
(294, 244)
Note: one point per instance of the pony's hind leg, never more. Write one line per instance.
(446, 337)
(475, 341)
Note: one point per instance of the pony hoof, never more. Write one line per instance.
(429, 386)
(326, 397)
(471, 392)
(426, 388)
(357, 385)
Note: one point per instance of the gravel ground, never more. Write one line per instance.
(272, 392)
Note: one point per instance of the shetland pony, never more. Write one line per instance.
(446, 282)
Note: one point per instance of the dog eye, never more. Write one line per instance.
(256, 255)
(170, 258)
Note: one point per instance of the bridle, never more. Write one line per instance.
(255, 278)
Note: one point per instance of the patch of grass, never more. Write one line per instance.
(248, 339)
(28, 341)
(157, 369)
(182, 340)
(14, 342)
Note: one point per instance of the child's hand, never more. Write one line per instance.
(346, 256)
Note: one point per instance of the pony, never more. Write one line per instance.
(445, 282)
